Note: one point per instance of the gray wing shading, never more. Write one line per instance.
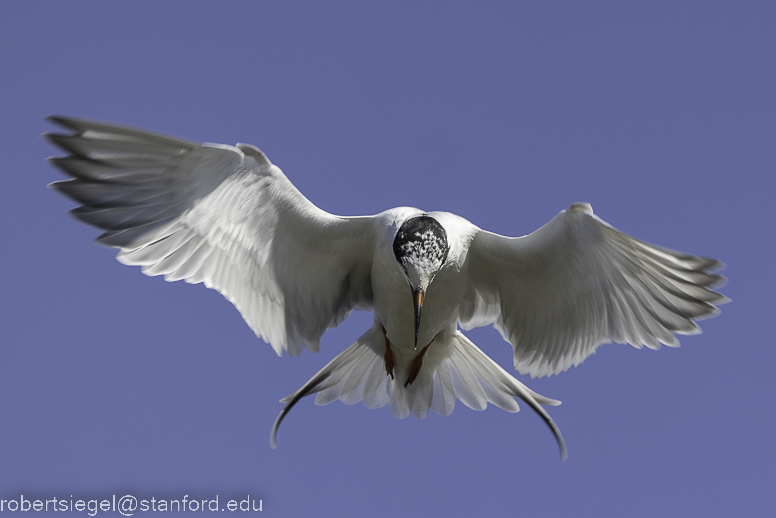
(576, 283)
(222, 215)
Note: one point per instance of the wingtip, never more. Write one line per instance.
(52, 138)
(57, 119)
(65, 142)
(70, 123)
(57, 185)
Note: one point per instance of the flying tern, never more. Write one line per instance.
(227, 217)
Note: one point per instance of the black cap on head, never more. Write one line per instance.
(421, 238)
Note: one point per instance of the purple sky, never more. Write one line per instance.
(662, 115)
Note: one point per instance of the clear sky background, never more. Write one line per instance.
(662, 115)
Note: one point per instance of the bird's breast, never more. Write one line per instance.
(393, 305)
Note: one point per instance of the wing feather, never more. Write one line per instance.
(576, 283)
(222, 215)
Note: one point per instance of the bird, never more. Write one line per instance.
(227, 217)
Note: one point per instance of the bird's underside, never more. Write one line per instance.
(227, 217)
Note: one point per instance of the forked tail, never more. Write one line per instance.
(457, 370)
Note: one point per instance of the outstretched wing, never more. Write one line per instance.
(576, 283)
(222, 215)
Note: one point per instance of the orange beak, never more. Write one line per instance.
(418, 295)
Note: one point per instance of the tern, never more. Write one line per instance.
(227, 217)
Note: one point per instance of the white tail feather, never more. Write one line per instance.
(456, 370)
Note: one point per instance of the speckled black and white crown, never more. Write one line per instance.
(421, 244)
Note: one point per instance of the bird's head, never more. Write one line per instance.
(421, 248)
